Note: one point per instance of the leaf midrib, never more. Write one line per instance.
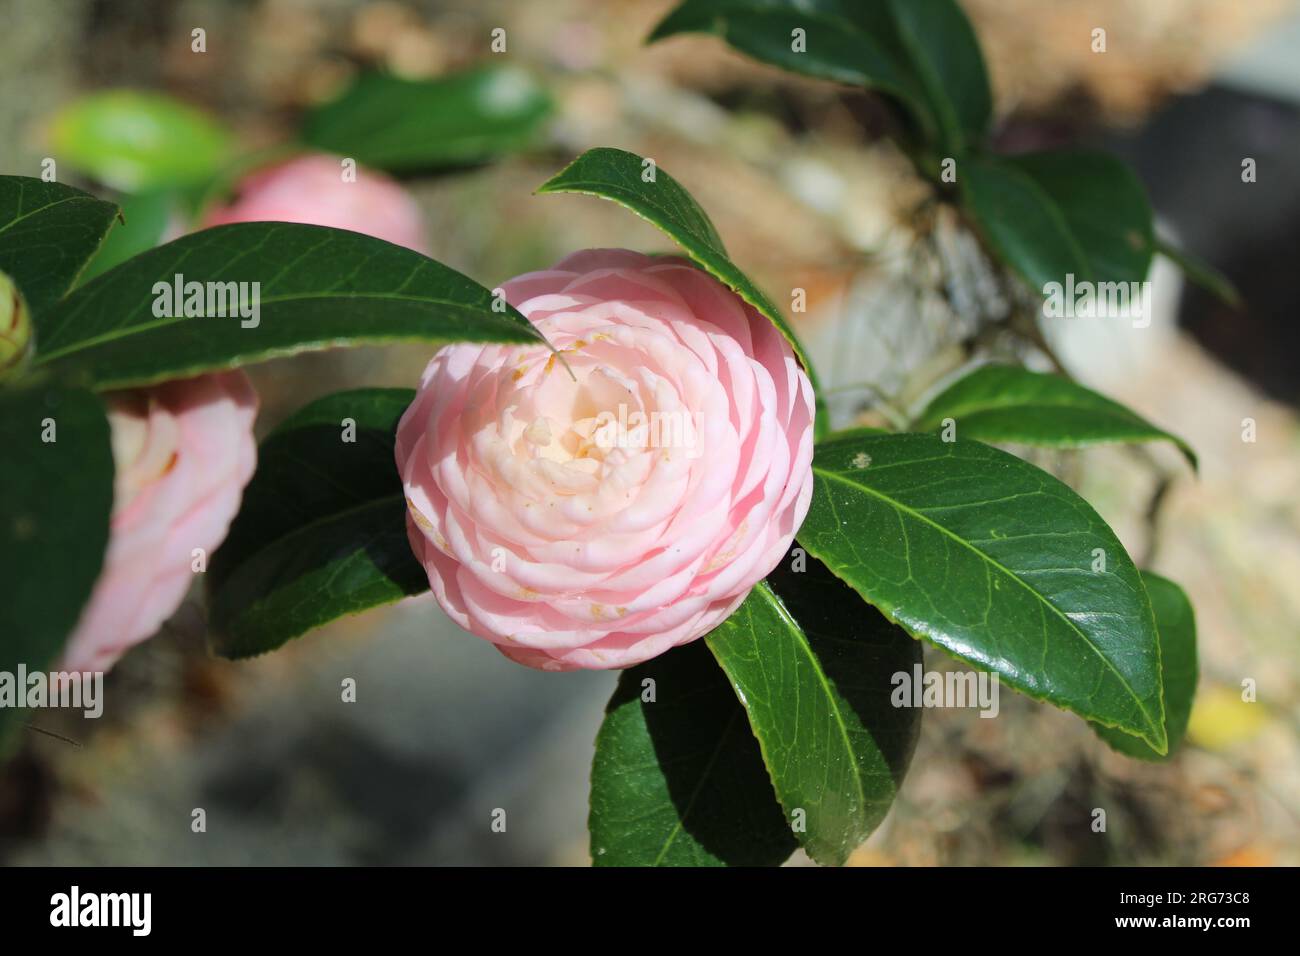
(919, 516)
(240, 614)
(801, 641)
(666, 220)
(697, 789)
(714, 261)
(302, 529)
(712, 257)
(117, 334)
(932, 85)
(58, 202)
(1054, 213)
(1118, 416)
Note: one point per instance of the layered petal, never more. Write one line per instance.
(593, 509)
(183, 452)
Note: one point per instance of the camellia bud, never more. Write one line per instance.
(15, 326)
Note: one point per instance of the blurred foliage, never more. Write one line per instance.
(137, 141)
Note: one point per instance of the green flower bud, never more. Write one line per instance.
(15, 326)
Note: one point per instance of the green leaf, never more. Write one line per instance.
(136, 141)
(395, 124)
(318, 288)
(1176, 622)
(680, 781)
(1203, 274)
(55, 500)
(923, 53)
(846, 42)
(1025, 228)
(1003, 403)
(321, 532)
(1104, 205)
(814, 670)
(144, 219)
(1069, 212)
(48, 232)
(946, 57)
(616, 174)
(992, 559)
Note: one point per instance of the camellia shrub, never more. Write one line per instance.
(621, 460)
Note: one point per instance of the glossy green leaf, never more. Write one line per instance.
(1025, 228)
(946, 57)
(618, 175)
(1003, 403)
(679, 780)
(814, 670)
(391, 123)
(143, 222)
(321, 532)
(135, 141)
(923, 53)
(849, 42)
(56, 493)
(1201, 273)
(1104, 205)
(48, 232)
(1176, 622)
(317, 288)
(996, 561)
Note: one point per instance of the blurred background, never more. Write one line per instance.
(807, 193)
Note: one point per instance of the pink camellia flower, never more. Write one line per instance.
(596, 516)
(183, 452)
(311, 189)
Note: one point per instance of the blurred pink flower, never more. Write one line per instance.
(183, 452)
(312, 189)
(597, 523)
